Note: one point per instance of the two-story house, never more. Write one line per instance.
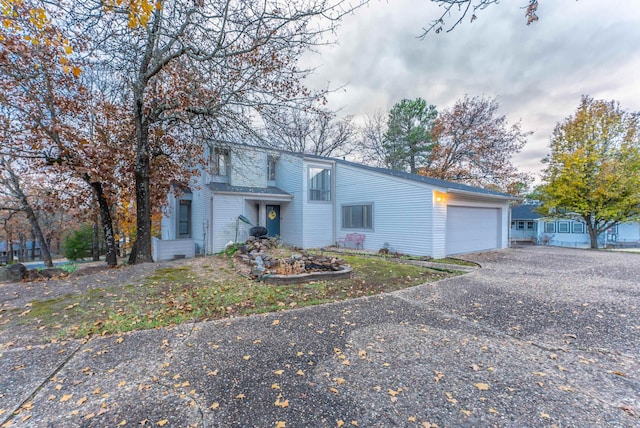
(311, 201)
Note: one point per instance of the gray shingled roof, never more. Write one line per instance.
(419, 178)
(401, 174)
(525, 212)
(227, 188)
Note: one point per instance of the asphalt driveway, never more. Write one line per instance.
(539, 336)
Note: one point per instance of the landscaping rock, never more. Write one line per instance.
(34, 274)
(13, 273)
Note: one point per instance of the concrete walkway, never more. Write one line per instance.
(539, 336)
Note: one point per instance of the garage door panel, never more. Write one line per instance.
(472, 229)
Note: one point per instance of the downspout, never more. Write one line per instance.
(333, 203)
(509, 226)
(211, 228)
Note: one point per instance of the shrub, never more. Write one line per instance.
(78, 243)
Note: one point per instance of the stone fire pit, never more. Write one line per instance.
(261, 259)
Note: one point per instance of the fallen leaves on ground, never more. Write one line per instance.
(482, 386)
(281, 403)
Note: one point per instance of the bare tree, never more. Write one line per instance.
(314, 132)
(371, 144)
(457, 10)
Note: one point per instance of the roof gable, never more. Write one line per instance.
(449, 185)
(525, 212)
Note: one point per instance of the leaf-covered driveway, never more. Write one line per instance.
(538, 337)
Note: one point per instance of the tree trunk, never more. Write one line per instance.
(95, 248)
(412, 162)
(132, 255)
(593, 236)
(107, 225)
(31, 216)
(35, 226)
(9, 247)
(142, 253)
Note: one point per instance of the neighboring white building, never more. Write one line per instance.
(312, 201)
(529, 225)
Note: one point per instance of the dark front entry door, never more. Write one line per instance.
(273, 219)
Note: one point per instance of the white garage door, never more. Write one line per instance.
(472, 229)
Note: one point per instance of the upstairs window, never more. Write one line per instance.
(220, 161)
(319, 184)
(271, 168)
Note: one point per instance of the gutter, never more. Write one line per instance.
(270, 196)
(485, 195)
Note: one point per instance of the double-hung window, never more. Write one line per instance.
(550, 227)
(357, 216)
(319, 184)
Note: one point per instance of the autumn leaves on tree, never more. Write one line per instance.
(118, 98)
(470, 143)
(593, 170)
(106, 91)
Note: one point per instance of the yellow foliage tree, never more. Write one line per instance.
(593, 170)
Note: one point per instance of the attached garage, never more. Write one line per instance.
(472, 229)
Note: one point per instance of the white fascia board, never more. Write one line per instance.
(260, 196)
(483, 195)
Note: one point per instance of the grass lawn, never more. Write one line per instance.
(202, 289)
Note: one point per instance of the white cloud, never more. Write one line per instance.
(538, 72)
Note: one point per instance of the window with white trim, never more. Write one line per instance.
(319, 184)
(357, 216)
(184, 219)
(549, 227)
(271, 168)
(577, 227)
(220, 161)
(563, 227)
(521, 225)
(531, 225)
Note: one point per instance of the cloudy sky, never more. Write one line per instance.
(537, 72)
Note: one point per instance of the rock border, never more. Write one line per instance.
(275, 279)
